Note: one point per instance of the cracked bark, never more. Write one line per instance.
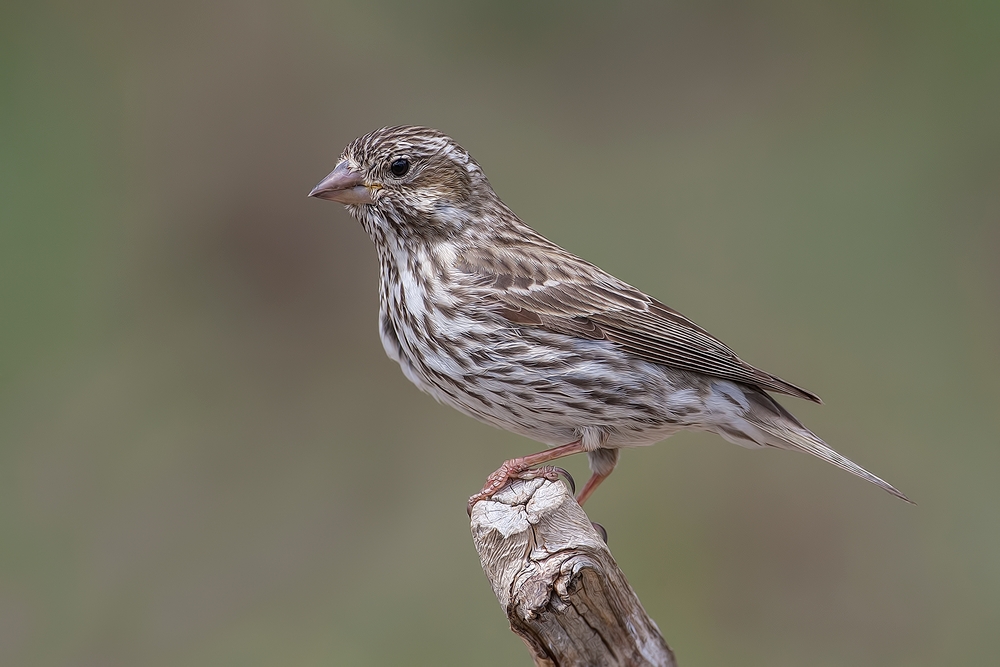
(558, 583)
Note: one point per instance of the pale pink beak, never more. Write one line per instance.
(344, 185)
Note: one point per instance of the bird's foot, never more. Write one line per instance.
(601, 530)
(517, 469)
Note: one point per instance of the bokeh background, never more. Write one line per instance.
(206, 458)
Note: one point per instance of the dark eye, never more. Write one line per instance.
(400, 167)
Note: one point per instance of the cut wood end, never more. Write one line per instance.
(557, 582)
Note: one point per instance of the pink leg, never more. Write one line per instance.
(591, 485)
(519, 469)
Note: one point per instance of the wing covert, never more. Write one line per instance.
(597, 306)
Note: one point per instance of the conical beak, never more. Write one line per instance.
(344, 185)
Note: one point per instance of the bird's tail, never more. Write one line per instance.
(772, 425)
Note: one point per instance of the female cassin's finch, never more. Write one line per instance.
(488, 316)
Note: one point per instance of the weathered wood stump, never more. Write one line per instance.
(558, 583)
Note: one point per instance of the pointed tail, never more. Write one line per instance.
(776, 427)
(805, 440)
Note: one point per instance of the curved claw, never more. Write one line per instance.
(517, 469)
(569, 478)
(600, 530)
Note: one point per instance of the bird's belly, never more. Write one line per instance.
(540, 385)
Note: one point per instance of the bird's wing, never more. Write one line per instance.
(576, 298)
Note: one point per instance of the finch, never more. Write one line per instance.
(488, 316)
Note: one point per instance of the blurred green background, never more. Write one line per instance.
(206, 458)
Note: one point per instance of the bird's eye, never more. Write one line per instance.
(400, 167)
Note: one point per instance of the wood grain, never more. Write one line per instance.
(556, 580)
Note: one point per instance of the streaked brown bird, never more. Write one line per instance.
(489, 317)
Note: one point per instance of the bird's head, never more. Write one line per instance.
(414, 180)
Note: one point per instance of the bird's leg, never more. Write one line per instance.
(602, 463)
(591, 485)
(520, 468)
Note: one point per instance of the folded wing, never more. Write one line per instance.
(584, 301)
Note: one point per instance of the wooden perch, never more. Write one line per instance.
(557, 582)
